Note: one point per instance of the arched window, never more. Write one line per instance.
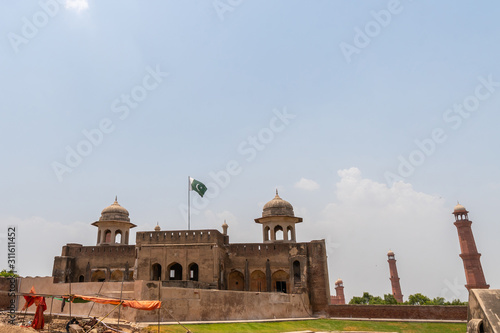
(296, 272)
(81, 278)
(236, 281)
(289, 231)
(156, 272)
(118, 237)
(175, 272)
(107, 236)
(279, 281)
(258, 281)
(98, 276)
(193, 272)
(278, 232)
(267, 233)
(116, 275)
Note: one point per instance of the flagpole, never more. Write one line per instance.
(189, 203)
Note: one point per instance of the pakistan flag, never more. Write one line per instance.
(197, 186)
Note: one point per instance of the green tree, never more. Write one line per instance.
(418, 299)
(389, 299)
(438, 301)
(456, 302)
(6, 273)
(365, 299)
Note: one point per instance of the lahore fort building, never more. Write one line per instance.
(205, 260)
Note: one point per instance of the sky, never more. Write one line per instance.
(373, 119)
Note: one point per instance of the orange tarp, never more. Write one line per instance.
(140, 305)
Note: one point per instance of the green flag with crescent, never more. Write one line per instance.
(197, 186)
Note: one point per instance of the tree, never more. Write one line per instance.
(8, 274)
(389, 299)
(456, 302)
(365, 299)
(438, 301)
(418, 299)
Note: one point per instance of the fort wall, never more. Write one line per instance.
(185, 304)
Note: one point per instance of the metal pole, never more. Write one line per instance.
(159, 309)
(98, 294)
(120, 308)
(69, 277)
(189, 203)
(51, 303)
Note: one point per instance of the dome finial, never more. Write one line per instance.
(277, 195)
(116, 198)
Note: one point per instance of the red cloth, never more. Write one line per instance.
(41, 306)
(29, 299)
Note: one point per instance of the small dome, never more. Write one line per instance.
(157, 228)
(339, 281)
(277, 207)
(224, 224)
(459, 209)
(114, 212)
(390, 253)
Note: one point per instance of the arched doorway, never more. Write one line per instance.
(156, 272)
(81, 278)
(118, 237)
(193, 272)
(107, 236)
(267, 233)
(236, 281)
(289, 232)
(98, 276)
(278, 232)
(258, 281)
(116, 275)
(279, 281)
(175, 272)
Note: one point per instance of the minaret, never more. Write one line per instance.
(471, 258)
(396, 287)
(339, 298)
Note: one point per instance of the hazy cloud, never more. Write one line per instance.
(307, 184)
(368, 218)
(77, 5)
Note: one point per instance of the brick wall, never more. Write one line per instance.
(434, 312)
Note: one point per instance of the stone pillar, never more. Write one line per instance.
(268, 276)
(247, 276)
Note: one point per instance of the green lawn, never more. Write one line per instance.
(317, 325)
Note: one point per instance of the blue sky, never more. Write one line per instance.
(270, 88)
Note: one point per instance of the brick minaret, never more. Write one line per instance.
(339, 290)
(396, 287)
(471, 258)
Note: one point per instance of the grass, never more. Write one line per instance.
(316, 325)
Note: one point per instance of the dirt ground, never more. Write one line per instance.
(55, 325)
